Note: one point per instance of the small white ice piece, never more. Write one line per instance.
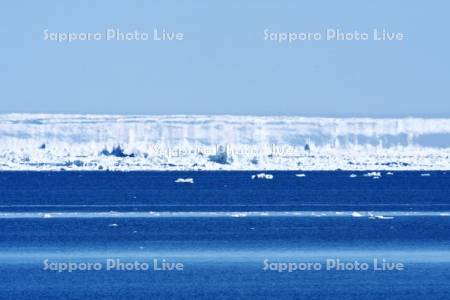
(356, 214)
(184, 180)
(383, 217)
(262, 176)
(374, 175)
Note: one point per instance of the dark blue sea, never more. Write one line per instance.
(141, 235)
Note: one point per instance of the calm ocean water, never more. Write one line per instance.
(230, 236)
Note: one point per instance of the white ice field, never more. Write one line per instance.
(177, 142)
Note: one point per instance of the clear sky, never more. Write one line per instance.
(224, 65)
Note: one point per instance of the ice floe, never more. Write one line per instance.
(184, 180)
(374, 175)
(384, 217)
(356, 214)
(262, 176)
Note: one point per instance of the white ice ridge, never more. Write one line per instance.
(222, 214)
(178, 142)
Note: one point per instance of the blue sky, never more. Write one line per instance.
(223, 65)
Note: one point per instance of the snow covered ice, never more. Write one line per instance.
(177, 142)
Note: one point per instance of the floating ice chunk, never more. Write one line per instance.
(356, 214)
(185, 180)
(300, 175)
(373, 174)
(113, 225)
(383, 217)
(262, 176)
(353, 175)
(389, 173)
(425, 174)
